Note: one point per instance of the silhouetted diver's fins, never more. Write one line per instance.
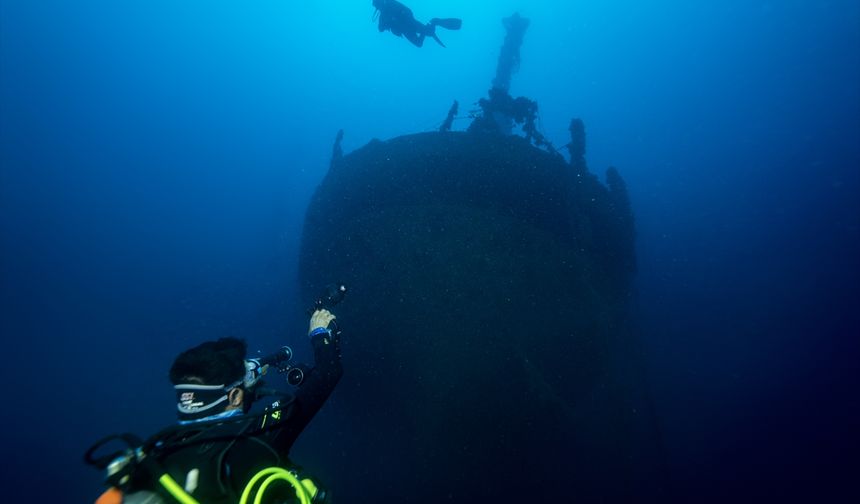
(447, 23)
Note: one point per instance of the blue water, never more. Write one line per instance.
(156, 159)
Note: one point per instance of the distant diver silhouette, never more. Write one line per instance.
(398, 19)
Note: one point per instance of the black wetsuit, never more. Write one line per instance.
(228, 453)
(398, 18)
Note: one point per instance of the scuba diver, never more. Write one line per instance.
(220, 452)
(398, 19)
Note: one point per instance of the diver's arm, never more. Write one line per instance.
(325, 374)
(317, 386)
(327, 370)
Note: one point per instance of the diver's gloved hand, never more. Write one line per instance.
(320, 321)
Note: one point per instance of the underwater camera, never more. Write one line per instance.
(281, 360)
(329, 297)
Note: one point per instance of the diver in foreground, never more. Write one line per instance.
(398, 19)
(220, 452)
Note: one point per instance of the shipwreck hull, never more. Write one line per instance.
(489, 352)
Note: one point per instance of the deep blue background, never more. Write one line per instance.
(156, 159)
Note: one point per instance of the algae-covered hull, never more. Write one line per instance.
(489, 353)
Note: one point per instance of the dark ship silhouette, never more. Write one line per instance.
(493, 356)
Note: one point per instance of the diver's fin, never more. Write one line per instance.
(447, 23)
(437, 40)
